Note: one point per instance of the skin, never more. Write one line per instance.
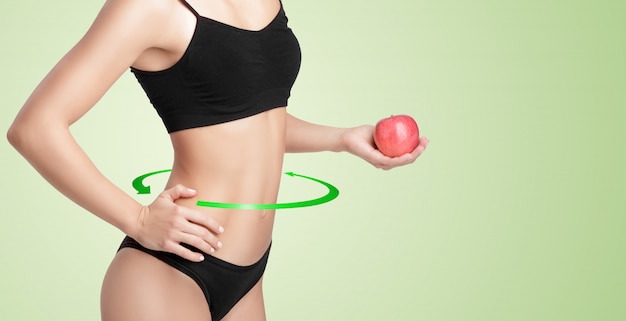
(240, 161)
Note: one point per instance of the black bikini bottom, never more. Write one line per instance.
(222, 282)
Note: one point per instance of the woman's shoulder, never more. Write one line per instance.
(154, 10)
(135, 21)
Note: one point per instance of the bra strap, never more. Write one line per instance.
(190, 8)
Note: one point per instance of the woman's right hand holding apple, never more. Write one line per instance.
(359, 141)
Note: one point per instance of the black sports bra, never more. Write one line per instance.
(226, 73)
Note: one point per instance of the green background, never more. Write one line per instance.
(515, 212)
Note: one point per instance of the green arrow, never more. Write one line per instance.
(333, 192)
(138, 182)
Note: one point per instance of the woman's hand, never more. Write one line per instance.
(303, 136)
(360, 142)
(163, 225)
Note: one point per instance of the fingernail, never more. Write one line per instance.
(191, 190)
(221, 229)
(219, 245)
(201, 258)
(212, 250)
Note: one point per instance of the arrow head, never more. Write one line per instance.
(143, 190)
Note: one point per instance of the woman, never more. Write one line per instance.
(219, 73)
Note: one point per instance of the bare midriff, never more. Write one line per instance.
(234, 162)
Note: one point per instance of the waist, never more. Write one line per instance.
(247, 232)
(235, 162)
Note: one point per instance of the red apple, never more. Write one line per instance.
(396, 135)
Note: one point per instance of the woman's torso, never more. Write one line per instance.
(234, 162)
(237, 161)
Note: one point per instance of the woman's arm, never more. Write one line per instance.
(303, 136)
(121, 32)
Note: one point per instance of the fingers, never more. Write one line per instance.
(176, 192)
(167, 234)
(185, 253)
(164, 225)
(424, 141)
(420, 148)
(201, 231)
(386, 163)
(205, 221)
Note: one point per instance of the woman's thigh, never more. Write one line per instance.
(140, 287)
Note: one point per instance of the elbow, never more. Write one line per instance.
(14, 136)
(28, 135)
(20, 135)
